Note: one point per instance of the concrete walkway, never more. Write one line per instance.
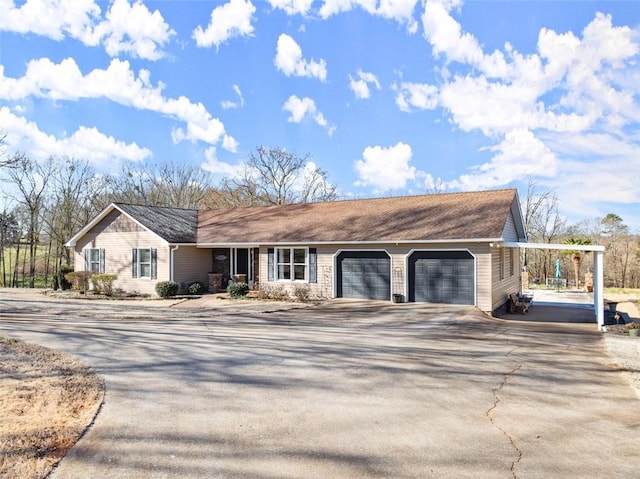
(346, 389)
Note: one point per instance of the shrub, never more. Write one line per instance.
(61, 277)
(302, 292)
(196, 288)
(278, 293)
(103, 283)
(79, 280)
(237, 290)
(166, 289)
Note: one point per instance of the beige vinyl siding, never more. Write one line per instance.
(118, 235)
(399, 254)
(510, 282)
(192, 264)
(510, 233)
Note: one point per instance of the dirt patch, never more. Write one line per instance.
(47, 400)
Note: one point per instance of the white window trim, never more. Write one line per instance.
(291, 264)
(91, 262)
(138, 263)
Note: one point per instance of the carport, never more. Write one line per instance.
(598, 269)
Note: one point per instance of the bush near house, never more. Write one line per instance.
(277, 293)
(103, 283)
(302, 292)
(166, 289)
(196, 288)
(238, 290)
(79, 280)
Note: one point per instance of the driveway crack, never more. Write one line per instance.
(490, 414)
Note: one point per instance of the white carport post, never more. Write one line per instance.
(598, 287)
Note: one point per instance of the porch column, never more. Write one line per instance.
(598, 287)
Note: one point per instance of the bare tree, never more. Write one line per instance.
(31, 178)
(166, 184)
(543, 224)
(275, 177)
(76, 194)
(7, 160)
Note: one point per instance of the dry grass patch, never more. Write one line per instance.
(47, 400)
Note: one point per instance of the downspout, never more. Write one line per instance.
(172, 261)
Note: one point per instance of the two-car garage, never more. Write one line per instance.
(433, 276)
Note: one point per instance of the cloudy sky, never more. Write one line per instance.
(388, 96)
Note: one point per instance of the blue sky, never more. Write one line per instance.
(389, 97)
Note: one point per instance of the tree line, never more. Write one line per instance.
(544, 224)
(47, 202)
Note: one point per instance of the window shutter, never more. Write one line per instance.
(87, 256)
(313, 265)
(154, 263)
(270, 264)
(134, 263)
(102, 268)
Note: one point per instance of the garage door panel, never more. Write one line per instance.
(442, 277)
(365, 275)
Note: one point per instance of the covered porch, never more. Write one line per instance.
(598, 271)
(233, 263)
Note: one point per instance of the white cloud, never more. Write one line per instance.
(360, 85)
(301, 108)
(385, 168)
(118, 83)
(292, 7)
(289, 60)
(86, 142)
(229, 104)
(519, 155)
(217, 167)
(399, 10)
(230, 20)
(416, 95)
(573, 97)
(129, 28)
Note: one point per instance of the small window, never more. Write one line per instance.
(143, 263)
(94, 260)
(292, 264)
(501, 254)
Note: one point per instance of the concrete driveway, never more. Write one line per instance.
(347, 389)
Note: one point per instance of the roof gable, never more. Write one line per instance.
(453, 216)
(173, 225)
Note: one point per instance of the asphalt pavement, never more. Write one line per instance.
(345, 389)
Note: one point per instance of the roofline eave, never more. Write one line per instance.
(256, 244)
(555, 246)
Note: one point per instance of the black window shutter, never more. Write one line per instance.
(102, 268)
(134, 263)
(270, 264)
(154, 263)
(87, 255)
(313, 265)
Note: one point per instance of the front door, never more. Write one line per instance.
(242, 263)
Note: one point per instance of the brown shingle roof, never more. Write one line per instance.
(454, 216)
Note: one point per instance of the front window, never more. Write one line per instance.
(93, 260)
(292, 264)
(142, 263)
